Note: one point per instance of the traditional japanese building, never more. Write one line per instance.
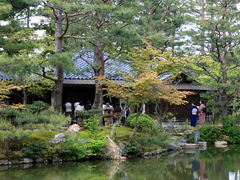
(80, 86)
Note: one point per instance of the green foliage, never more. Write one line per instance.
(34, 150)
(15, 155)
(36, 116)
(39, 126)
(91, 124)
(231, 130)
(132, 148)
(155, 140)
(39, 86)
(146, 123)
(19, 133)
(89, 113)
(36, 106)
(5, 125)
(9, 112)
(78, 148)
(210, 133)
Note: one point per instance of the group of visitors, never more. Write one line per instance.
(77, 106)
(198, 111)
(111, 114)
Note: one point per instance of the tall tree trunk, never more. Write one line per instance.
(100, 62)
(224, 93)
(24, 95)
(136, 125)
(58, 88)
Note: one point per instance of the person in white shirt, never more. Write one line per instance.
(68, 110)
(79, 107)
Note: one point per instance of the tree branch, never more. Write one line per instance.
(53, 9)
(44, 74)
(66, 28)
(82, 18)
(80, 56)
(76, 14)
(75, 37)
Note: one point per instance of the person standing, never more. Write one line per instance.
(68, 107)
(88, 106)
(193, 115)
(202, 113)
(116, 113)
(79, 107)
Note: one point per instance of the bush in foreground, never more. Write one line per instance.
(146, 123)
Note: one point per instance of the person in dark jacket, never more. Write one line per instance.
(193, 115)
(88, 106)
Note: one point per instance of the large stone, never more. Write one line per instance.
(27, 160)
(202, 145)
(182, 141)
(157, 124)
(74, 128)
(112, 150)
(15, 162)
(191, 146)
(173, 138)
(58, 138)
(123, 148)
(174, 146)
(3, 162)
(220, 144)
(56, 160)
(41, 160)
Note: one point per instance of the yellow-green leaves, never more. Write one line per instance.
(144, 84)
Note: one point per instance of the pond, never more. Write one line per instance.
(211, 164)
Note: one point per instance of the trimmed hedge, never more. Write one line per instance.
(146, 123)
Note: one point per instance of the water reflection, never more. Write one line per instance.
(212, 164)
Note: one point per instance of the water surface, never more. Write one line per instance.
(212, 164)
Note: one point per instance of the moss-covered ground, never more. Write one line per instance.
(141, 142)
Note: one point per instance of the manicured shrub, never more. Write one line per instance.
(88, 113)
(157, 138)
(78, 148)
(34, 150)
(146, 123)
(36, 106)
(44, 119)
(91, 125)
(15, 155)
(232, 130)
(210, 133)
(132, 148)
(5, 125)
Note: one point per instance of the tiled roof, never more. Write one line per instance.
(84, 70)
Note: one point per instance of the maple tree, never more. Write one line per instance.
(5, 91)
(144, 82)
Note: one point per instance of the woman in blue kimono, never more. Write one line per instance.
(193, 115)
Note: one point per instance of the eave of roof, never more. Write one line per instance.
(189, 87)
(84, 82)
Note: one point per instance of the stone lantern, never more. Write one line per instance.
(108, 117)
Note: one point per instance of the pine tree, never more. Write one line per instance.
(108, 28)
(218, 37)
